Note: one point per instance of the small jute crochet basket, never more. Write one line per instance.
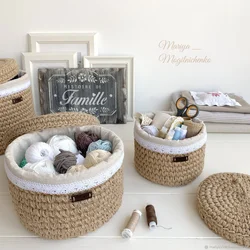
(8, 69)
(16, 104)
(223, 204)
(65, 205)
(170, 163)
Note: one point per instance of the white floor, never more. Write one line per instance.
(175, 207)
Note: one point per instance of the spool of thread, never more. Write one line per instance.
(151, 217)
(128, 231)
(39, 151)
(42, 167)
(151, 130)
(83, 140)
(100, 144)
(64, 161)
(63, 142)
(76, 169)
(95, 157)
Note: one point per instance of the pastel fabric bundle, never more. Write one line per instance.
(220, 119)
(159, 119)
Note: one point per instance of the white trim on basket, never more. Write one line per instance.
(69, 188)
(166, 149)
(28, 61)
(117, 62)
(19, 85)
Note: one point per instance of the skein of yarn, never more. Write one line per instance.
(64, 161)
(84, 139)
(76, 169)
(100, 144)
(95, 157)
(39, 151)
(63, 142)
(42, 167)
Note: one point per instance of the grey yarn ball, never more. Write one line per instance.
(64, 161)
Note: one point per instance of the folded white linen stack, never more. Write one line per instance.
(227, 119)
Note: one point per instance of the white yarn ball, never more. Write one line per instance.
(77, 169)
(39, 151)
(79, 159)
(41, 167)
(62, 142)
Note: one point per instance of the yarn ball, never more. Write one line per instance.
(151, 130)
(79, 159)
(100, 144)
(84, 139)
(39, 151)
(77, 169)
(42, 167)
(62, 142)
(95, 157)
(22, 163)
(64, 161)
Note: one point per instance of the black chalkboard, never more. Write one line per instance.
(100, 92)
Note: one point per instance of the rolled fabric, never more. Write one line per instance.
(100, 144)
(42, 167)
(159, 119)
(144, 119)
(39, 151)
(77, 169)
(151, 130)
(95, 157)
(63, 142)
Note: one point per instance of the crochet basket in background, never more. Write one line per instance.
(64, 210)
(15, 105)
(170, 163)
(223, 204)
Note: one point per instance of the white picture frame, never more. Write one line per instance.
(48, 60)
(58, 42)
(117, 62)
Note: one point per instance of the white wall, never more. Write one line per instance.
(220, 28)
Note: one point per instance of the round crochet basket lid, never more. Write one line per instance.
(8, 69)
(224, 205)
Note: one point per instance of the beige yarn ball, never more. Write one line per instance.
(76, 169)
(95, 157)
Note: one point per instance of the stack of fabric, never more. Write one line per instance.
(228, 119)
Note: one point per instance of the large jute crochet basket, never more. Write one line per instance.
(15, 105)
(170, 163)
(65, 205)
(223, 203)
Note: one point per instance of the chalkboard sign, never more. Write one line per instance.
(100, 92)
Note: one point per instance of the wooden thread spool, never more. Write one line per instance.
(151, 217)
(133, 221)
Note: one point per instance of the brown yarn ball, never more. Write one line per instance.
(64, 161)
(84, 139)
